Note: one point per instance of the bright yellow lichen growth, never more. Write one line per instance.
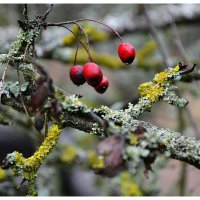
(27, 167)
(47, 146)
(154, 90)
(2, 174)
(150, 91)
(95, 161)
(133, 139)
(161, 77)
(68, 154)
(128, 186)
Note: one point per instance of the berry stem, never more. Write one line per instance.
(86, 19)
(87, 41)
(76, 52)
(75, 36)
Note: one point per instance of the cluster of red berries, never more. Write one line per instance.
(92, 73)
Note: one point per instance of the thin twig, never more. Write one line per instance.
(77, 47)
(82, 20)
(183, 55)
(77, 38)
(183, 175)
(176, 37)
(192, 122)
(87, 40)
(62, 25)
(2, 80)
(47, 13)
(45, 124)
(25, 12)
(23, 104)
(155, 34)
(99, 120)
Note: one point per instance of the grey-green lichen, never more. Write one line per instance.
(11, 94)
(14, 88)
(3, 58)
(25, 40)
(172, 98)
(77, 115)
(73, 104)
(28, 70)
(97, 130)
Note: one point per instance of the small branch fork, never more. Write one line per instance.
(44, 17)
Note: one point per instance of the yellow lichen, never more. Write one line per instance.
(128, 186)
(145, 86)
(50, 141)
(133, 139)
(2, 174)
(150, 91)
(161, 77)
(27, 167)
(95, 161)
(154, 90)
(68, 154)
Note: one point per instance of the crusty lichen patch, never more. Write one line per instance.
(27, 167)
(155, 89)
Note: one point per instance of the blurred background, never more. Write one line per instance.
(163, 36)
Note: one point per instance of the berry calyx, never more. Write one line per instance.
(102, 87)
(126, 53)
(76, 75)
(92, 73)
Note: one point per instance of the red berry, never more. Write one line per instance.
(92, 73)
(76, 75)
(102, 87)
(126, 53)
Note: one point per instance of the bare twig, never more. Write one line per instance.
(2, 79)
(77, 38)
(176, 37)
(183, 55)
(87, 40)
(77, 47)
(155, 34)
(47, 13)
(192, 122)
(82, 20)
(23, 104)
(25, 12)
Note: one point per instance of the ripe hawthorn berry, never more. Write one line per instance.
(126, 52)
(102, 87)
(92, 73)
(76, 75)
